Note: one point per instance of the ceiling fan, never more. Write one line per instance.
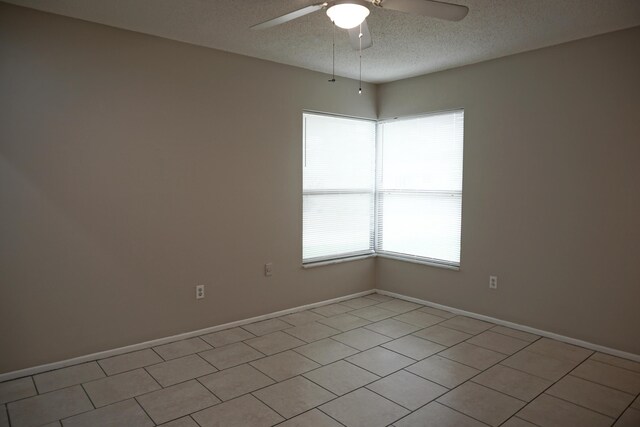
(351, 15)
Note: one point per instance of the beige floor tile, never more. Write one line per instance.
(442, 335)
(266, 327)
(331, 309)
(182, 348)
(617, 361)
(517, 422)
(437, 415)
(341, 377)
(17, 389)
(611, 376)
(380, 297)
(361, 339)
(294, 396)
(231, 355)
(407, 389)
(594, 396)
(482, 403)
(275, 342)
(630, 418)
(392, 328)
(514, 333)
(559, 350)
(119, 387)
(358, 303)
(226, 337)
(234, 382)
(443, 371)
(549, 411)
(515, 383)
(363, 408)
(344, 322)
(380, 361)
(65, 377)
(182, 422)
(438, 312)
(245, 411)
(4, 418)
(399, 306)
(413, 347)
(49, 407)
(374, 313)
(177, 401)
(419, 318)
(472, 355)
(313, 418)
(326, 351)
(301, 318)
(467, 324)
(498, 342)
(538, 364)
(178, 370)
(127, 413)
(312, 332)
(129, 361)
(284, 365)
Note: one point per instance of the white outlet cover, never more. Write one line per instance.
(199, 291)
(493, 282)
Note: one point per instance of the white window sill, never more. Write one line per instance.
(337, 261)
(421, 261)
(383, 255)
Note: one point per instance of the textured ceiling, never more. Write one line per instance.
(404, 45)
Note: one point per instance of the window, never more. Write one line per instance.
(419, 189)
(401, 199)
(338, 187)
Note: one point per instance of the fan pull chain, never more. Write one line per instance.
(333, 73)
(360, 81)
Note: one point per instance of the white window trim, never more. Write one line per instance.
(414, 259)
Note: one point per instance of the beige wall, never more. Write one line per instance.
(133, 168)
(551, 199)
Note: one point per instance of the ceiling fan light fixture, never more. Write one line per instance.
(348, 15)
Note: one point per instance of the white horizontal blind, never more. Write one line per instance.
(338, 187)
(419, 194)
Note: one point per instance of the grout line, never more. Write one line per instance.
(578, 405)
(143, 410)
(381, 345)
(610, 364)
(516, 326)
(6, 376)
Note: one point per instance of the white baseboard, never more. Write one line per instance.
(153, 343)
(569, 340)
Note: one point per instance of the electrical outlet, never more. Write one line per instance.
(268, 269)
(199, 291)
(493, 282)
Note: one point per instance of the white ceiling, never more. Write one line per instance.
(404, 45)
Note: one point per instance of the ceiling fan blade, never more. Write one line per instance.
(289, 16)
(354, 38)
(431, 8)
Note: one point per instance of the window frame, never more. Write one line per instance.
(347, 256)
(376, 252)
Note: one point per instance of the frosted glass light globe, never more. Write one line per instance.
(347, 15)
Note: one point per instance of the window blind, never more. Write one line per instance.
(419, 187)
(338, 187)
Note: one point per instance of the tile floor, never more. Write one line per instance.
(369, 361)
